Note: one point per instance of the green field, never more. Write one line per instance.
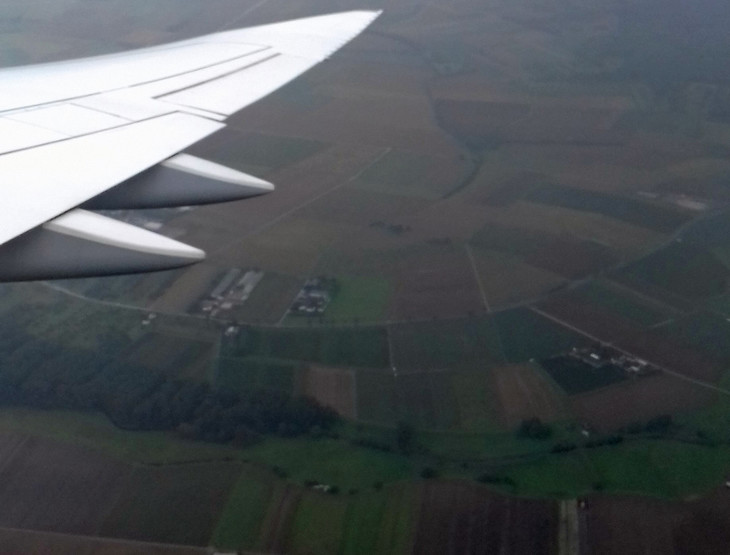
(409, 174)
(240, 522)
(464, 343)
(658, 468)
(246, 375)
(682, 269)
(364, 347)
(359, 298)
(707, 332)
(575, 376)
(330, 462)
(527, 335)
(621, 302)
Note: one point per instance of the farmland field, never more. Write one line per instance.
(576, 376)
(527, 335)
(524, 392)
(359, 298)
(332, 387)
(365, 347)
(247, 375)
(468, 342)
(475, 173)
(467, 519)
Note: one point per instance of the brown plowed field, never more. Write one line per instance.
(51, 486)
(439, 283)
(332, 387)
(176, 504)
(279, 519)
(628, 525)
(639, 400)
(467, 519)
(23, 542)
(525, 393)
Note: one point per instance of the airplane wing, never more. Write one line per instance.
(107, 132)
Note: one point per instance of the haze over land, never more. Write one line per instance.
(521, 212)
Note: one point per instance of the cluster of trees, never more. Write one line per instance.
(40, 374)
(534, 428)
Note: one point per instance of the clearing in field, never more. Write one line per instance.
(523, 392)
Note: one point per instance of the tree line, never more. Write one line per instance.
(41, 374)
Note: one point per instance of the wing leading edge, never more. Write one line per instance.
(105, 132)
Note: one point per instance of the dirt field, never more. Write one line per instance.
(86, 493)
(523, 392)
(278, 520)
(439, 283)
(638, 401)
(187, 289)
(28, 541)
(177, 504)
(176, 356)
(332, 387)
(77, 487)
(461, 518)
(620, 525)
(507, 280)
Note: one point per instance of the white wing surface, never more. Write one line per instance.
(105, 132)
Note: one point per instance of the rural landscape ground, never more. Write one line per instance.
(525, 208)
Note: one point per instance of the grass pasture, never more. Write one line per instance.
(359, 298)
(240, 522)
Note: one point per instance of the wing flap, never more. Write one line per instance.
(43, 182)
(81, 243)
